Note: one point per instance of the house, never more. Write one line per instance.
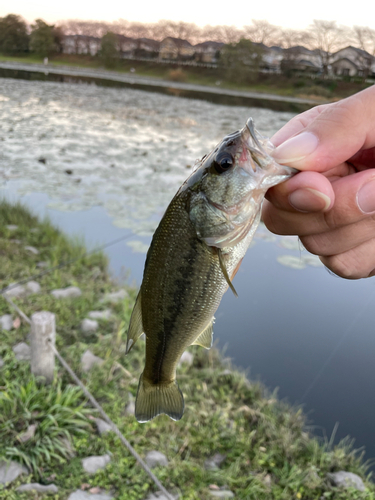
(299, 58)
(175, 48)
(126, 45)
(207, 52)
(271, 58)
(351, 61)
(148, 48)
(80, 44)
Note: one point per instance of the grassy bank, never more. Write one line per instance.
(269, 452)
(295, 86)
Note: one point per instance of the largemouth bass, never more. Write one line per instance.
(194, 254)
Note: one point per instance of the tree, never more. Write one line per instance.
(241, 60)
(13, 35)
(364, 38)
(326, 37)
(109, 52)
(42, 40)
(58, 37)
(226, 34)
(293, 42)
(261, 31)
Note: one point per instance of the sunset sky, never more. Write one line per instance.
(287, 13)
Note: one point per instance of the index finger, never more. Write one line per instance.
(332, 136)
(296, 125)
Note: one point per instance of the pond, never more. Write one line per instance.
(104, 163)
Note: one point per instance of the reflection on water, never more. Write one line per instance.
(104, 163)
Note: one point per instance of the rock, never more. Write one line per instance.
(214, 462)
(42, 160)
(1, 362)
(42, 264)
(83, 495)
(93, 464)
(33, 287)
(130, 408)
(16, 292)
(89, 325)
(40, 488)
(106, 314)
(160, 496)
(186, 358)
(115, 296)
(222, 494)
(9, 471)
(102, 426)
(64, 293)
(89, 360)
(226, 373)
(6, 322)
(22, 351)
(31, 249)
(344, 479)
(11, 227)
(155, 458)
(28, 434)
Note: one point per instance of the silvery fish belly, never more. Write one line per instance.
(194, 255)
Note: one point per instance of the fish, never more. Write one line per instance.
(194, 255)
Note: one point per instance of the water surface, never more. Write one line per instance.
(104, 163)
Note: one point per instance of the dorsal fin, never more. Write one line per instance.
(204, 339)
(135, 326)
(225, 272)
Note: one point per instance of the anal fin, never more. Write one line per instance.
(205, 338)
(135, 326)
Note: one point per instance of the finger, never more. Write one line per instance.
(296, 125)
(354, 199)
(356, 263)
(305, 192)
(336, 133)
(341, 239)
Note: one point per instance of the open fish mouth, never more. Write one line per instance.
(260, 149)
(254, 140)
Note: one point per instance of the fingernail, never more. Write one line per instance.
(309, 200)
(296, 148)
(366, 197)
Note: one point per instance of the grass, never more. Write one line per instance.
(296, 86)
(269, 450)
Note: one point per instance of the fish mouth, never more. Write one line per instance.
(260, 149)
(253, 139)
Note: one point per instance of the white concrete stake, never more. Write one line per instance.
(43, 333)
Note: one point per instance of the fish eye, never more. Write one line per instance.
(223, 162)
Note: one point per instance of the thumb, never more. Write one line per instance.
(331, 134)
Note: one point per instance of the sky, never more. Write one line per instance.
(286, 13)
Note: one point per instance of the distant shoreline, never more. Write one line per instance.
(102, 77)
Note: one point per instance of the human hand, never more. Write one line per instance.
(330, 204)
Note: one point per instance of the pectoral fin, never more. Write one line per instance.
(224, 269)
(135, 326)
(205, 338)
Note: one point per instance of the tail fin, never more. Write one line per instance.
(154, 399)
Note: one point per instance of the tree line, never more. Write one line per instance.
(322, 36)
